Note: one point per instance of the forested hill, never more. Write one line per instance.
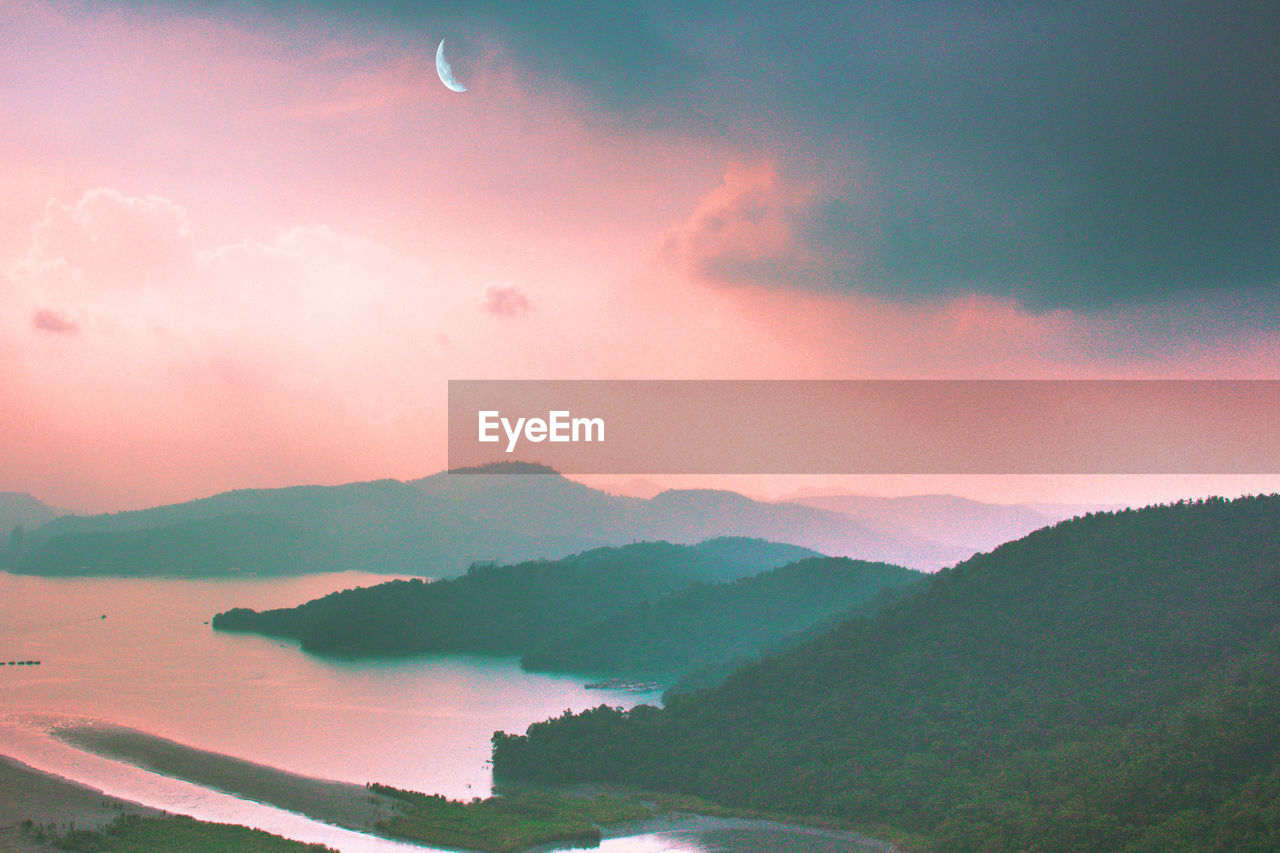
(508, 608)
(1111, 683)
(714, 625)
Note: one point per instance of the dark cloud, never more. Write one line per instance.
(1069, 154)
(505, 300)
(619, 52)
(613, 49)
(1078, 154)
(53, 322)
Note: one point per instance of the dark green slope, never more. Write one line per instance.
(1111, 683)
(707, 624)
(728, 558)
(506, 609)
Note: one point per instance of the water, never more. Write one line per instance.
(139, 653)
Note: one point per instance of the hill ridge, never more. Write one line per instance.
(1109, 683)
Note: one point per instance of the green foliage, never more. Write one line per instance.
(1112, 683)
(505, 823)
(707, 625)
(730, 558)
(134, 834)
(495, 609)
(516, 608)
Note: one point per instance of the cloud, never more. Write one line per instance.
(754, 229)
(505, 300)
(132, 263)
(107, 239)
(53, 322)
(1080, 155)
(1075, 155)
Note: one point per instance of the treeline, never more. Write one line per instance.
(640, 609)
(707, 625)
(495, 609)
(1112, 683)
(517, 820)
(172, 834)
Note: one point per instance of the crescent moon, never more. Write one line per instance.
(445, 72)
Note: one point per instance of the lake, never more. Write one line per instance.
(139, 653)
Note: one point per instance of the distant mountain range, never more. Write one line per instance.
(19, 509)
(961, 523)
(20, 513)
(438, 525)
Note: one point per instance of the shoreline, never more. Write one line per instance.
(46, 798)
(719, 829)
(342, 804)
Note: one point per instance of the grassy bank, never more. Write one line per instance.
(136, 834)
(508, 822)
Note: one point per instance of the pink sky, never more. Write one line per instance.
(239, 251)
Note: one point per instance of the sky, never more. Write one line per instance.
(248, 244)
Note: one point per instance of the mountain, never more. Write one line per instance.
(540, 505)
(648, 611)
(498, 609)
(20, 513)
(1110, 683)
(949, 520)
(714, 625)
(439, 525)
(358, 511)
(205, 548)
(382, 524)
(21, 509)
(547, 514)
(729, 558)
(691, 515)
